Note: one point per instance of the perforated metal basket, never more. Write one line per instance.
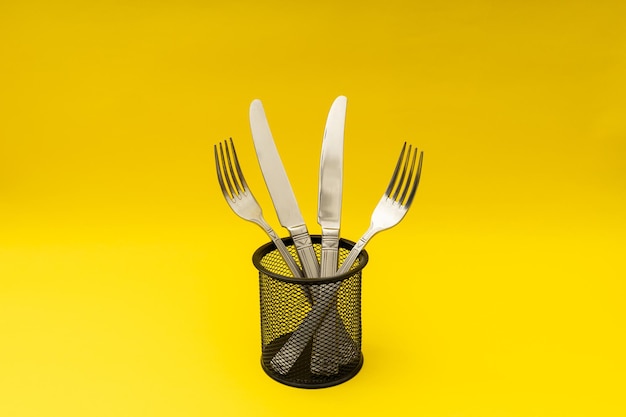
(333, 354)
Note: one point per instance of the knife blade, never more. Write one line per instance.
(280, 189)
(330, 185)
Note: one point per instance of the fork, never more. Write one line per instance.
(242, 202)
(390, 210)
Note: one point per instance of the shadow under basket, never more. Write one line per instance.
(310, 327)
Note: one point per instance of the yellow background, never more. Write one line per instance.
(126, 283)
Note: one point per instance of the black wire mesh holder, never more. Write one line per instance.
(285, 302)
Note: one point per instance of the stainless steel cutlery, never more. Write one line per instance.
(322, 326)
(330, 186)
(326, 361)
(242, 202)
(280, 189)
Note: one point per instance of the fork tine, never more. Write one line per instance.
(415, 181)
(220, 179)
(395, 172)
(233, 177)
(400, 181)
(408, 180)
(225, 172)
(238, 167)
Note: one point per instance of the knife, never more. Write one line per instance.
(280, 189)
(330, 185)
(331, 337)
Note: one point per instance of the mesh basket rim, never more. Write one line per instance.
(363, 258)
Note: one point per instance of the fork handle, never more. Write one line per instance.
(284, 252)
(306, 253)
(287, 257)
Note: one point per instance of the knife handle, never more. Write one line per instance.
(324, 358)
(306, 253)
(332, 345)
(329, 252)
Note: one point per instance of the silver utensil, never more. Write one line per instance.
(330, 186)
(389, 211)
(242, 202)
(331, 338)
(280, 189)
